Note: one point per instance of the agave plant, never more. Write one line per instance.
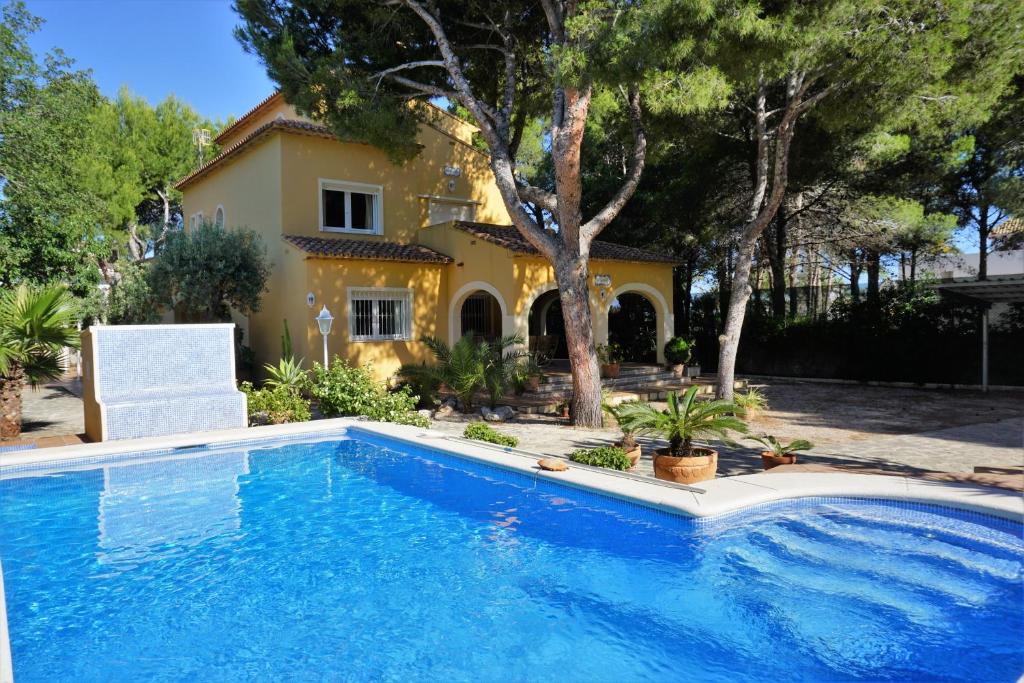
(35, 326)
(684, 421)
(288, 373)
(469, 367)
(775, 447)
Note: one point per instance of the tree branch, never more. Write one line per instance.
(636, 166)
(502, 164)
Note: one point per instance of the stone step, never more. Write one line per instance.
(548, 404)
(625, 372)
(609, 383)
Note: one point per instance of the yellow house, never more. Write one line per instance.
(398, 252)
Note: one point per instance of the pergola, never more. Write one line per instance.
(1008, 289)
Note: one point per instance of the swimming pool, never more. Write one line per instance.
(359, 558)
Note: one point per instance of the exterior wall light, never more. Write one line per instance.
(324, 321)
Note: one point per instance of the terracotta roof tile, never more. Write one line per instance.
(369, 250)
(510, 238)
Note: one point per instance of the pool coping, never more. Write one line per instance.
(713, 498)
(708, 499)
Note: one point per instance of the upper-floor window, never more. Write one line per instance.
(195, 220)
(218, 218)
(350, 207)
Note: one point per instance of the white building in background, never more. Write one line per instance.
(956, 266)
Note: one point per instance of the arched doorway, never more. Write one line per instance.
(480, 315)
(633, 325)
(547, 327)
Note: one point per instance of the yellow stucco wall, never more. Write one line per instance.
(265, 114)
(517, 281)
(273, 188)
(330, 280)
(249, 190)
(406, 189)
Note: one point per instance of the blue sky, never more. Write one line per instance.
(157, 47)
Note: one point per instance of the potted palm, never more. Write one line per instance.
(684, 421)
(532, 373)
(776, 453)
(677, 354)
(610, 358)
(35, 326)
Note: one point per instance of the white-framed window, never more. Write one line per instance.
(379, 313)
(195, 220)
(444, 210)
(218, 217)
(350, 207)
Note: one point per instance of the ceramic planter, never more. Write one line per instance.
(701, 466)
(770, 460)
(532, 384)
(678, 370)
(610, 370)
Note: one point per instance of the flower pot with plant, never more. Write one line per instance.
(532, 373)
(684, 421)
(677, 354)
(628, 443)
(776, 453)
(751, 402)
(610, 358)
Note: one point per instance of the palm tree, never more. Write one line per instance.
(35, 325)
(685, 420)
(467, 367)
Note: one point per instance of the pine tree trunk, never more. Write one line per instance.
(874, 268)
(572, 278)
(11, 387)
(776, 258)
(730, 339)
(855, 269)
(983, 231)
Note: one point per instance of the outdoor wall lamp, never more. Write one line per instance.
(324, 320)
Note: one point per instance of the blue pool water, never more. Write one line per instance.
(355, 559)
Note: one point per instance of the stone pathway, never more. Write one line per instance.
(51, 416)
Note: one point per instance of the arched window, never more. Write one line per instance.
(218, 218)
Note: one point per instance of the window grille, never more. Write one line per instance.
(380, 314)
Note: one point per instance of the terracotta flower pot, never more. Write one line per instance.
(532, 384)
(702, 466)
(633, 454)
(770, 460)
(678, 370)
(610, 370)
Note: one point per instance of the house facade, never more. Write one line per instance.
(397, 252)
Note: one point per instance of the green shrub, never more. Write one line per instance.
(348, 390)
(612, 457)
(468, 367)
(678, 351)
(275, 405)
(481, 431)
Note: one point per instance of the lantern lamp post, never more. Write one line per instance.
(324, 320)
